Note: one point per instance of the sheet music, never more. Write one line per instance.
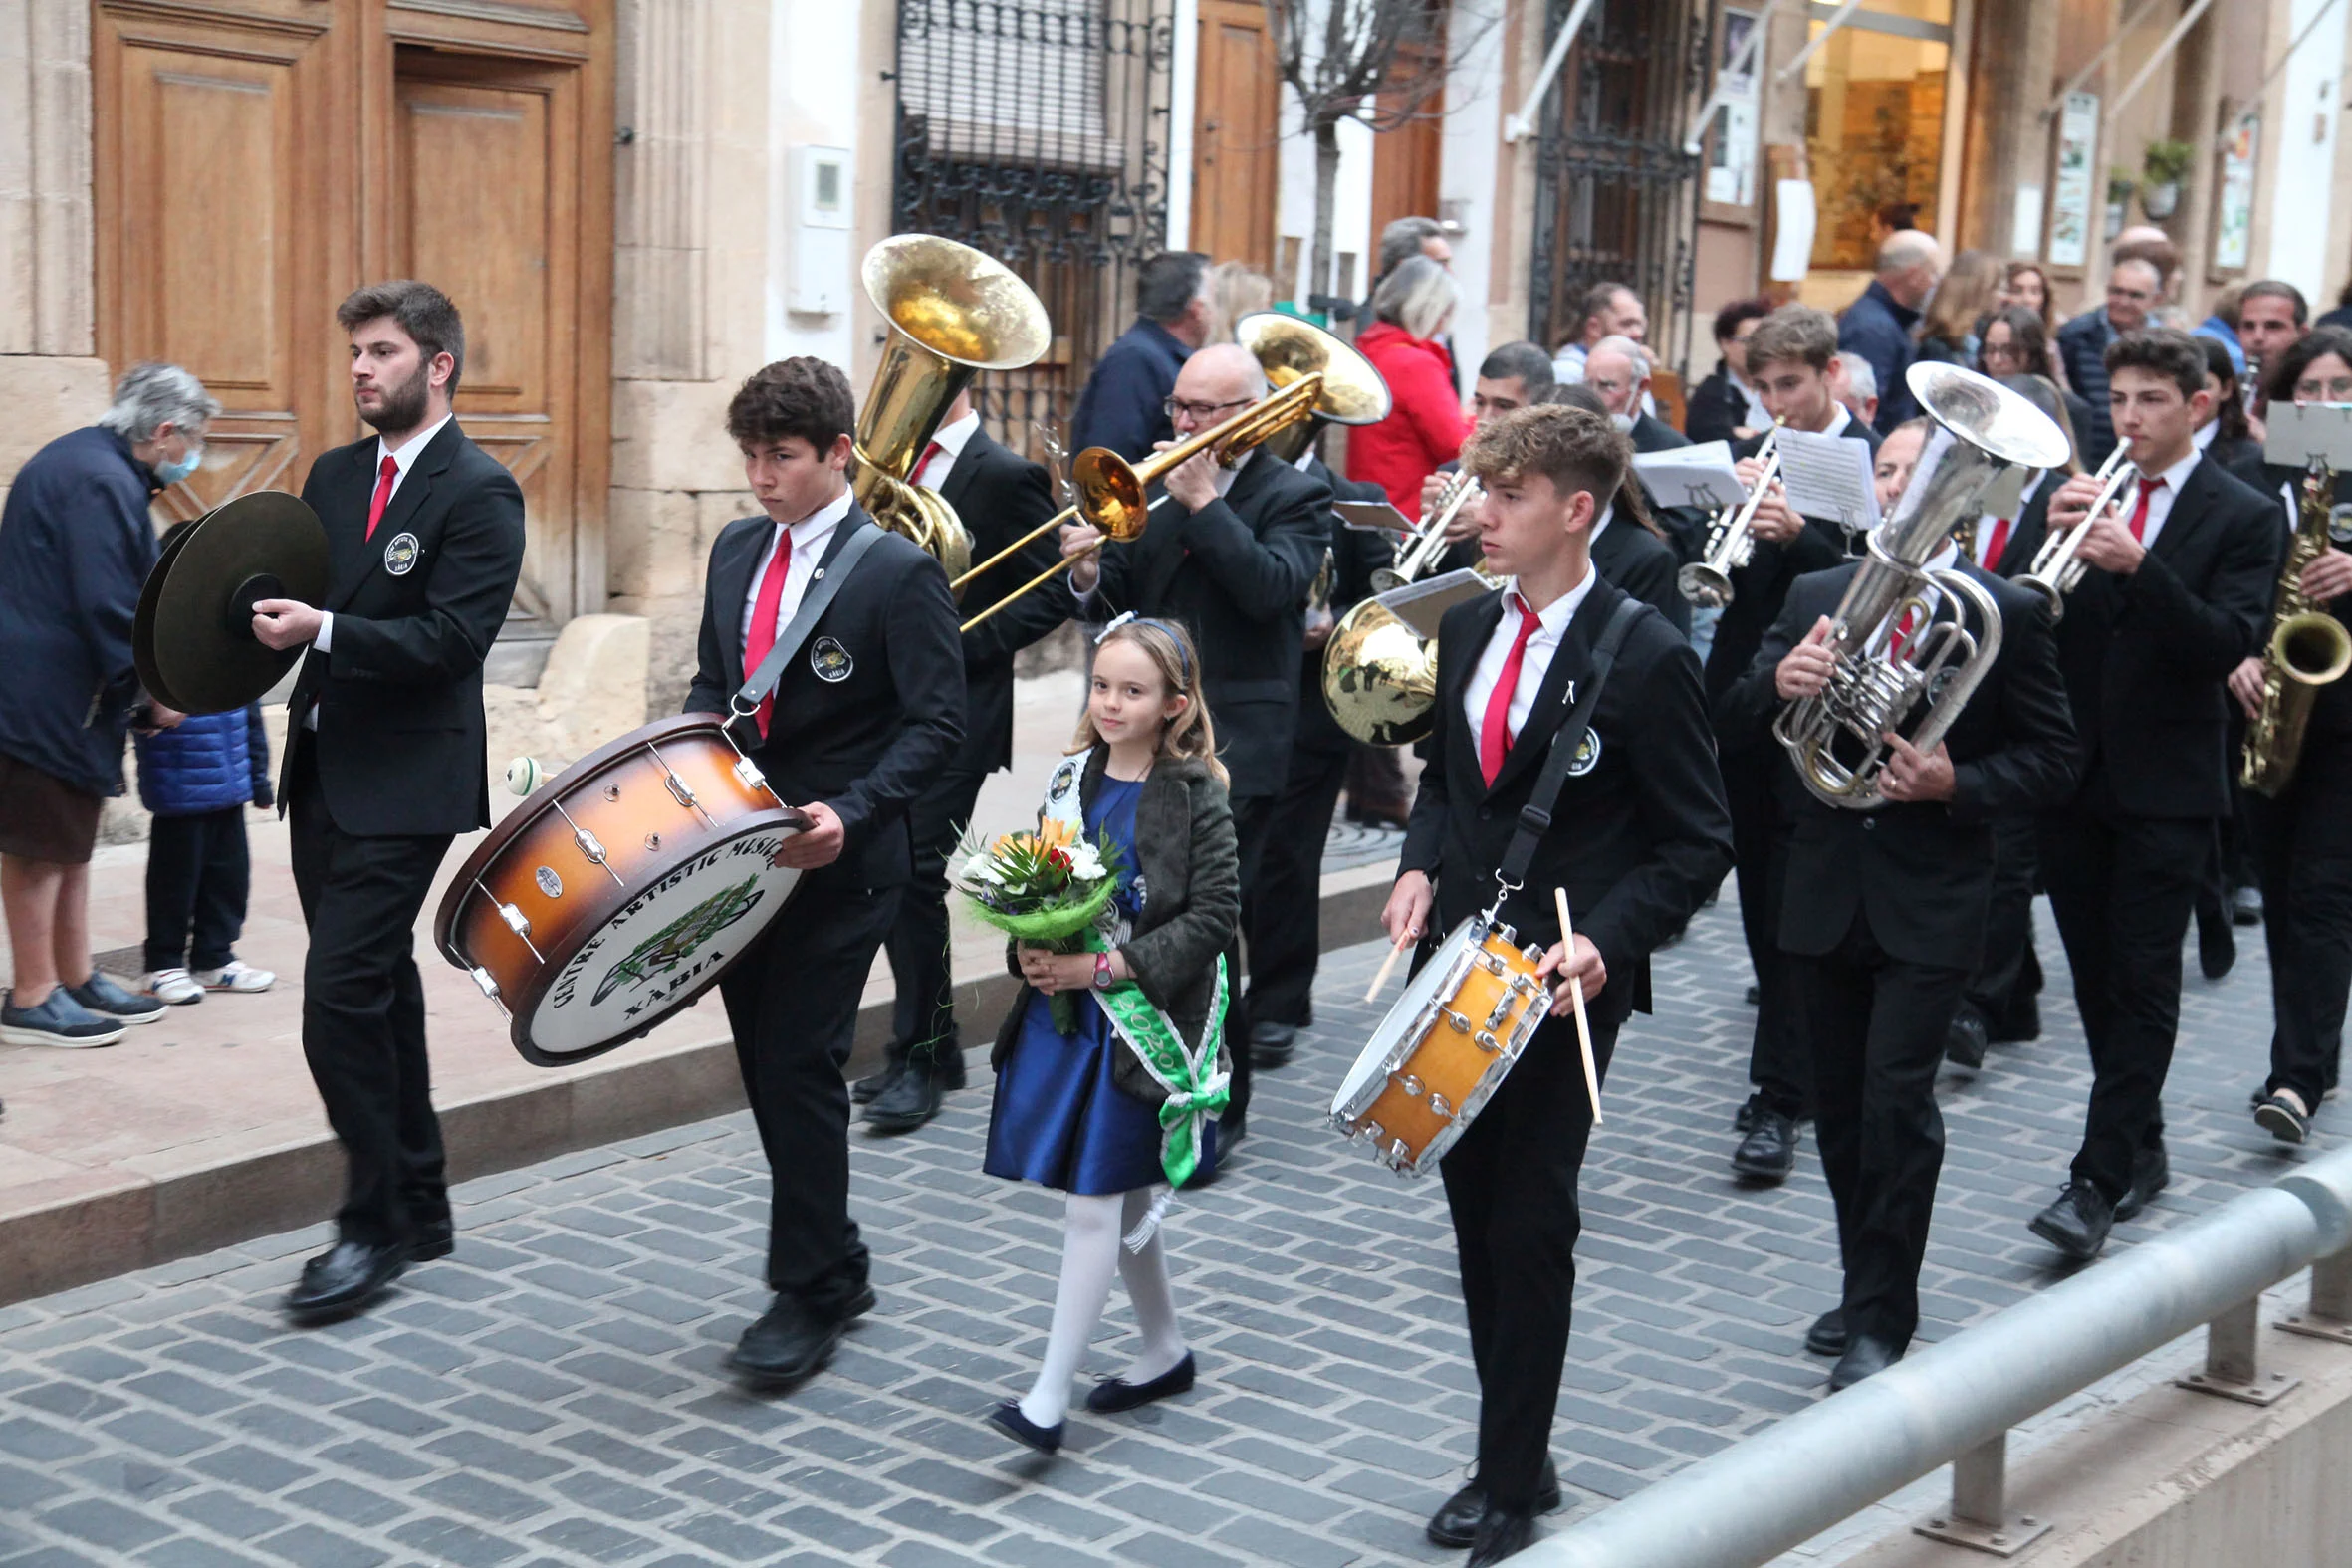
(1372, 517)
(1421, 605)
(1828, 477)
(1698, 475)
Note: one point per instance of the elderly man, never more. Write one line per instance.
(1853, 383)
(1120, 408)
(2134, 285)
(1230, 556)
(1618, 368)
(1878, 325)
(75, 544)
(1611, 309)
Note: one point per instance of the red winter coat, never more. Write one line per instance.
(1425, 428)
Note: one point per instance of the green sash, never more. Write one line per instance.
(1197, 1091)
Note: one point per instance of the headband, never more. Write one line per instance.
(1173, 634)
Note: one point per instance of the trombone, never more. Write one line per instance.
(1418, 551)
(1706, 583)
(2057, 566)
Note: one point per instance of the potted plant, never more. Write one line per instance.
(2120, 187)
(2163, 165)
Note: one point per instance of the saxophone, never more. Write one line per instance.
(2309, 648)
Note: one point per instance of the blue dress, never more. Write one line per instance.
(1060, 1119)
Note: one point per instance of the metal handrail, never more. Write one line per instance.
(1955, 1401)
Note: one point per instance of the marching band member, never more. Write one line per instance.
(2181, 578)
(1628, 549)
(1637, 837)
(1229, 558)
(1789, 364)
(866, 713)
(1883, 916)
(1000, 494)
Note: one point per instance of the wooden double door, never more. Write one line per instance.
(256, 159)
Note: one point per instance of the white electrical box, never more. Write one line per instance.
(819, 284)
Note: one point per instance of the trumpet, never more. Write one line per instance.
(1730, 540)
(1418, 551)
(2307, 648)
(2057, 568)
(1837, 737)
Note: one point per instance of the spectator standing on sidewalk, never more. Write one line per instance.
(196, 779)
(76, 545)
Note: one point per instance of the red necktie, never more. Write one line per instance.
(1999, 543)
(1494, 732)
(929, 452)
(1902, 632)
(758, 638)
(384, 491)
(2148, 487)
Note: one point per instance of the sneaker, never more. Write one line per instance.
(60, 1021)
(2284, 1116)
(236, 974)
(103, 994)
(171, 987)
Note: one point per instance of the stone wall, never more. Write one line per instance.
(49, 384)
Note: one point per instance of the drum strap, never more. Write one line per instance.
(823, 587)
(1534, 818)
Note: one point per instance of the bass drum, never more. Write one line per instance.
(621, 890)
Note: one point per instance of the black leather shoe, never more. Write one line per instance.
(1769, 1152)
(1827, 1336)
(345, 1276)
(431, 1241)
(1271, 1044)
(905, 1103)
(2078, 1223)
(1007, 1418)
(2152, 1172)
(1456, 1521)
(1747, 1113)
(2246, 907)
(1964, 1046)
(866, 1090)
(787, 1344)
(1116, 1393)
(1501, 1533)
(2217, 944)
(1867, 1356)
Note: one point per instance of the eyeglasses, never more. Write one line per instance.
(2333, 389)
(1201, 412)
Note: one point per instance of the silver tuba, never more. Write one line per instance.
(1706, 583)
(1836, 739)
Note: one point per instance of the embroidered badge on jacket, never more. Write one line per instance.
(399, 554)
(831, 660)
(1588, 756)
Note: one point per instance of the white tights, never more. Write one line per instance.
(1090, 1252)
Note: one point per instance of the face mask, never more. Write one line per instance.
(173, 473)
(1621, 423)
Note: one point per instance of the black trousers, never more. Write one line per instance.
(2304, 841)
(792, 1005)
(1286, 935)
(1511, 1186)
(924, 1020)
(2123, 889)
(198, 876)
(362, 1011)
(1253, 819)
(1877, 1025)
(2006, 990)
(1777, 1065)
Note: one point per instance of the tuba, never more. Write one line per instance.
(2309, 648)
(953, 312)
(1706, 583)
(1836, 737)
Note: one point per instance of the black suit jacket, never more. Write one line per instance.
(1643, 564)
(1638, 841)
(2144, 656)
(1236, 574)
(1001, 496)
(870, 739)
(1715, 409)
(400, 745)
(1920, 873)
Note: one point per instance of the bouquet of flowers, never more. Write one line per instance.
(1046, 889)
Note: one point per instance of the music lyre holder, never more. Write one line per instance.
(2302, 434)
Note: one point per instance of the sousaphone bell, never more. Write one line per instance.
(192, 640)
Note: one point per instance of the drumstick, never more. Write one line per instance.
(1389, 963)
(1567, 943)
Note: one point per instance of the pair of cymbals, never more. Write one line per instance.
(193, 640)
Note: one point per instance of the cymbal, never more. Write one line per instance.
(193, 639)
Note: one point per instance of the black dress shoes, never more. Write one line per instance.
(1116, 1393)
(1503, 1533)
(2152, 1172)
(431, 1241)
(866, 1090)
(1769, 1152)
(2078, 1223)
(1964, 1046)
(905, 1103)
(789, 1341)
(1007, 1418)
(1827, 1336)
(345, 1276)
(1865, 1357)
(1271, 1044)
(1457, 1519)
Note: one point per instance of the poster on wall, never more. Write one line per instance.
(1730, 164)
(2070, 202)
(2234, 213)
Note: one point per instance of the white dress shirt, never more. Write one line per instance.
(951, 439)
(1608, 514)
(809, 536)
(403, 458)
(1534, 664)
(2160, 502)
(2203, 436)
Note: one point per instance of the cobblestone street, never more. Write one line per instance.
(555, 1394)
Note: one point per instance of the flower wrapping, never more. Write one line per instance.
(1049, 888)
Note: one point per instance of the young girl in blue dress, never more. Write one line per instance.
(1084, 1113)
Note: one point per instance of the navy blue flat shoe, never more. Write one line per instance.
(1116, 1393)
(1007, 1418)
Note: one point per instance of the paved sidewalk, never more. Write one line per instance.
(554, 1393)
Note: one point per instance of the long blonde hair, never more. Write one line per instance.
(1191, 732)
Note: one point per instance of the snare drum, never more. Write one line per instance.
(1445, 1047)
(621, 890)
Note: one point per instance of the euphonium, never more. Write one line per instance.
(2308, 650)
(953, 312)
(1418, 551)
(1729, 539)
(2057, 566)
(1380, 676)
(1836, 737)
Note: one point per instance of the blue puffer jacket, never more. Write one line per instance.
(205, 762)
